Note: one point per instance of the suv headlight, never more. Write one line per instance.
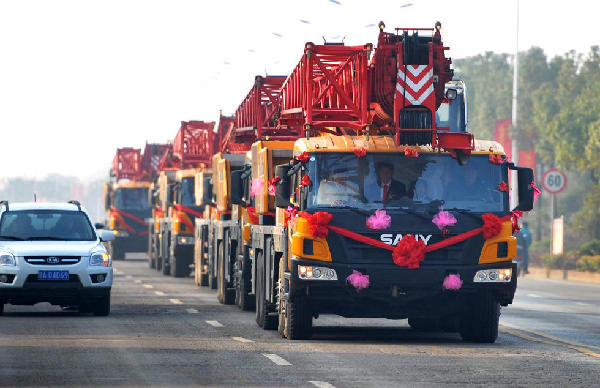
(7, 259)
(100, 258)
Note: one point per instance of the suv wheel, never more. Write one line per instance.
(102, 307)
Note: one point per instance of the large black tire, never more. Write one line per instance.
(102, 307)
(179, 266)
(425, 324)
(243, 288)
(298, 320)
(263, 318)
(225, 295)
(1, 307)
(159, 263)
(203, 260)
(480, 322)
(166, 268)
(116, 251)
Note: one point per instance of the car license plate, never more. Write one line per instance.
(53, 275)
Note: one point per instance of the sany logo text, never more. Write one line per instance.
(392, 239)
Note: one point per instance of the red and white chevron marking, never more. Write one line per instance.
(416, 84)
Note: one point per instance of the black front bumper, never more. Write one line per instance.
(59, 293)
(132, 243)
(396, 292)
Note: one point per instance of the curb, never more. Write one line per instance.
(566, 275)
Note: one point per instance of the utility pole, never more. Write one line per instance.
(513, 128)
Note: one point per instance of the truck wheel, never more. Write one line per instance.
(1, 307)
(480, 322)
(424, 324)
(242, 292)
(298, 322)
(212, 280)
(158, 262)
(281, 307)
(116, 251)
(226, 296)
(102, 307)
(151, 262)
(166, 267)
(179, 269)
(263, 319)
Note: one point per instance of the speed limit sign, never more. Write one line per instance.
(554, 181)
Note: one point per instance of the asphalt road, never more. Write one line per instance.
(168, 332)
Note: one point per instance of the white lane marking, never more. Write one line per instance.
(242, 339)
(533, 296)
(128, 277)
(159, 293)
(138, 281)
(214, 323)
(148, 286)
(175, 301)
(582, 304)
(192, 311)
(321, 384)
(277, 359)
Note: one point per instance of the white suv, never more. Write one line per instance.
(51, 252)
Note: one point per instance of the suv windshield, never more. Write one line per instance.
(394, 180)
(131, 199)
(46, 225)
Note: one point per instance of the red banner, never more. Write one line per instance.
(502, 136)
(527, 159)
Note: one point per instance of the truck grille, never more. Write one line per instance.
(52, 260)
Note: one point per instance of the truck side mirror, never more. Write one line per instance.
(237, 187)
(524, 178)
(282, 188)
(207, 193)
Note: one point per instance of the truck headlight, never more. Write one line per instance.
(100, 258)
(185, 240)
(308, 272)
(7, 259)
(503, 275)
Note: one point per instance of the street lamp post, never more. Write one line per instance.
(514, 129)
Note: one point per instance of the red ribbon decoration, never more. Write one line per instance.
(503, 187)
(492, 225)
(536, 191)
(188, 210)
(306, 181)
(185, 220)
(120, 214)
(360, 152)
(303, 157)
(318, 223)
(409, 152)
(496, 159)
(251, 210)
(409, 252)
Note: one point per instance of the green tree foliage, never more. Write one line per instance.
(558, 115)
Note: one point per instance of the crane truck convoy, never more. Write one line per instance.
(353, 187)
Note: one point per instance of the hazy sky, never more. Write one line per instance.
(80, 78)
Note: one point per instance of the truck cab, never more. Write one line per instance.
(128, 207)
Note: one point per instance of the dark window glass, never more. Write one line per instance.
(342, 179)
(132, 199)
(187, 192)
(46, 225)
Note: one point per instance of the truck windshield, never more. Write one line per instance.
(394, 180)
(132, 198)
(46, 225)
(187, 192)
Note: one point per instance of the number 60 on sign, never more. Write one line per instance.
(554, 181)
